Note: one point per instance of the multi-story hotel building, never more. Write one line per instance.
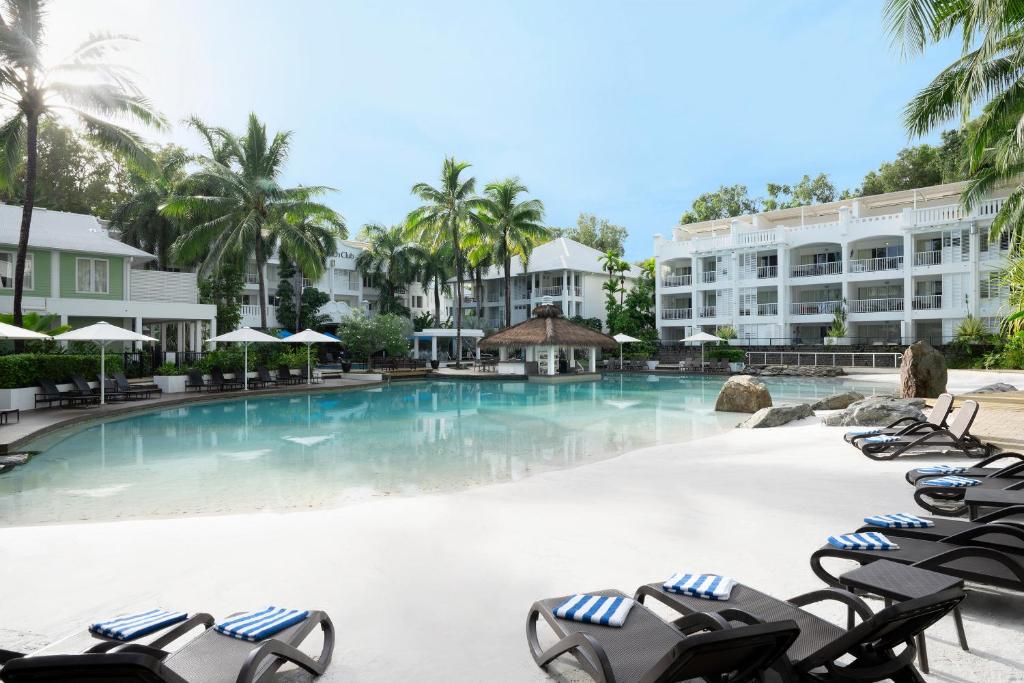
(905, 266)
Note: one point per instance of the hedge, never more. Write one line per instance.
(26, 369)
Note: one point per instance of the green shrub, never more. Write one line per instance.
(169, 369)
(231, 358)
(726, 332)
(365, 336)
(732, 354)
(26, 369)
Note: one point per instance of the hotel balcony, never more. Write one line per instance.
(713, 275)
(928, 258)
(676, 313)
(766, 309)
(875, 265)
(927, 302)
(707, 312)
(767, 272)
(163, 286)
(813, 307)
(817, 269)
(677, 281)
(876, 305)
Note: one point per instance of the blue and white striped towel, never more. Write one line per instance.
(130, 626)
(941, 469)
(882, 438)
(708, 586)
(867, 540)
(606, 610)
(900, 520)
(253, 626)
(865, 431)
(953, 482)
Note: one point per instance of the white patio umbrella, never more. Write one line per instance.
(702, 337)
(309, 337)
(15, 332)
(244, 336)
(623, 339)
(103, 333)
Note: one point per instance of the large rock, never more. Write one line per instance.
(794, 370)
(877, 411)
(776, 416)
(923, 372)
(997, 388)
(11, 461)
(837, 401)
(743, 394)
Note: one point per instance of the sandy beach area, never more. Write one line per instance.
(437, 587)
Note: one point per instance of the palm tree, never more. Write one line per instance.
(393, 263)
(514, 226)
(613, 265)
(446, 212)
(434, 267)
(139, 218)
(244, 211)
(84, 86)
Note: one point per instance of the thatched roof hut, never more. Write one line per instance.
(548, 328)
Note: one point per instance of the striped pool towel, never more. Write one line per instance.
(882, 438)
(941, 469)
(708, 586)
(253, 626)
(131, 626)
(953, 482)
(862, 432)
(900, 520)
(606, 610)
(867, 540)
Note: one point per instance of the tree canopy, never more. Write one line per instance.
(599, 233)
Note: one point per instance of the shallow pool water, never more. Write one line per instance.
(301, 451)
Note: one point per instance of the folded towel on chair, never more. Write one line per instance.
(253, 626)
(130, 626)
(882, 438)
(867, 540)
(708, 586)
(900, 520)
(866, 430)
(953, 482)
(606, 610)
(941, 469)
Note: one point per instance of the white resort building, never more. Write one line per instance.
(905, 266)
(76, 271)
(565, 270)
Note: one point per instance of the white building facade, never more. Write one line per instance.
(563, 269)
(903, 266)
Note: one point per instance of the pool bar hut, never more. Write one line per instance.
(543, 338)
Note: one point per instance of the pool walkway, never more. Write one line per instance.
(34, 423)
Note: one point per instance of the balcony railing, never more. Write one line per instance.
(816, 269)
(928, 258)
(577, 292)
(707, 312)
(768, 309)
(766, 272)
(551, 291)
(712, 275)
(927, 302)
(876, 305)
(676, 313)
(873, 265)
(159, 285)
(677, 280)
(813, 307)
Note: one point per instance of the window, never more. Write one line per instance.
(252, 276)
(8, 259)
(92, 276)
(417, 301)
(991, 286)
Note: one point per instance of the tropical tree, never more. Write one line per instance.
(446, 212)
(434, 267)
(513, 228)
(616, 269)
(139, 218)
(392, 262)
(241, 209)
(84, 86)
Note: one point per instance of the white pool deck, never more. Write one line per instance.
(437, 587)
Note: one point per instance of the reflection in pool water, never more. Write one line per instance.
(303, 451)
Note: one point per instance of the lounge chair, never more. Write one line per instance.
(908, 425)
(943, 500)
(285, 376)
(220, 382)
(137, 390)
(944, 529)
(52, 394)
(210, 656)
(85, 641)
(195, 380)
(960, 555)
(824, 651)
(110, 391)
(955, 437)
(263, 377)
(304, 376)
(83, 389)
(646, 648)
(979, 469)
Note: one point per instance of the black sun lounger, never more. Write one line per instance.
(52, 394)
(960, 555)
(1014, 468)
(285, 376)
(134, 391)
(85, 641)
(210, 657)
(956, 437)
(908, 425)
(948, 501)
(650, 650)
(950, 530)
(218, 381)
(824, 651)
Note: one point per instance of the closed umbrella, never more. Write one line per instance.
(14, 332)
(623, 339)
(245, 336)
(103, 333)
(702, 337)
(309, 337)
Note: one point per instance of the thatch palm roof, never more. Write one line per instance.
(548, 328)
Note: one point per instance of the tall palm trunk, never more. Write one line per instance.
(437, 302)
(259, 278)
(298, 299)
(479, 285)
(508, 291)
(458, 296)
(32, 143)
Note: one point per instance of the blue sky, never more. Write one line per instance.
(626, 110)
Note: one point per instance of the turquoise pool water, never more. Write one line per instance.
(304, 451)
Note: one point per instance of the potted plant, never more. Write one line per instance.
(435, 364)
(170, 378)
(736, 357)
(652, 363)
(346, 365)
(836, 335)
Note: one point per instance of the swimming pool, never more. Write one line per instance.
(312, 450)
